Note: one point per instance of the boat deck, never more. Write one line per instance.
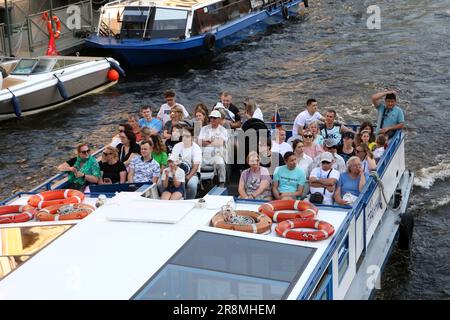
(112, 253)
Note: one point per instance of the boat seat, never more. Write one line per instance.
(206, 173)
(10, 82)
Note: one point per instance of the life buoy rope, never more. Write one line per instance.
(307, 209)
(53, 197)
(16, 213)
(71, 212)
(262, 222)
(324, 229)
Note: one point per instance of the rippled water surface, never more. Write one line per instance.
(329, 55)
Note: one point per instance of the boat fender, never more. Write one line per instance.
(305, 2)
(113, 75)
(118, 68)
(285, 12)
(61, 88)
(209, 42)
(406, 231)
(16, 104)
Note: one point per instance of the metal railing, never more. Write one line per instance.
(3, 49)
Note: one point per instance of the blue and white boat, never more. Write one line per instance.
(142, 33)
(136, 246)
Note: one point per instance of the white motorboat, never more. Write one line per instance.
(33, 85)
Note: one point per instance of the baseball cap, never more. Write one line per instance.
(173, 158)
(326, 156)
(215, 114)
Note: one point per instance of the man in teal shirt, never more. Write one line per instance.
(288, 180)
(390, 116)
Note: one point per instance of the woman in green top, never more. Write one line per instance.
(83, 169)
(159, 153)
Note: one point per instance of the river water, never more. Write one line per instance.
(330, 55)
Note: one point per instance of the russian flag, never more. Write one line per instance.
(276, 118)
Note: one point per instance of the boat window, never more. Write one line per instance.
(216, 266)
(343, 259)
(214, 15)
(169, 23)
(18, 244)
(25, 67)
(134, 22)
(44, 65)
(324, 288)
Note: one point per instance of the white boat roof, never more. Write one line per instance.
(100, 258)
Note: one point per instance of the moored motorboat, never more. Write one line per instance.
(33, 85)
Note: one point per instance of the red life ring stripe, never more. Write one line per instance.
(57, 21)
(307, 209)
(324, 229)
(53, 197)
(20, 213)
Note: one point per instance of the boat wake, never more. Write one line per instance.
(426, 177)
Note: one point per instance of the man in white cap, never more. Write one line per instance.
(323, 179)
(212, 138)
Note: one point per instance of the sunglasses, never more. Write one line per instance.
(307, 136)
(121, 130)
(85, 151)
(106, 154)
(326, 162)
(359, 150)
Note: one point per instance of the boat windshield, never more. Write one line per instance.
(34, 66)
(18, 244)
(169, 23)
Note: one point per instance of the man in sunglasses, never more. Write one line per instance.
(323, 179)
(164, 111)
(82, 169)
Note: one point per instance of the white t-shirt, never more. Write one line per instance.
(179, 174)
(304, 118)
(305, 164)
(164, 112)
(208, 133)
(321, 174)
(281, 148)
(191, 155)
(258, 114)
(378, 153)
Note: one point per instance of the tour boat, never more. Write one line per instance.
(34, 85)
(143, 33)
(135, 246)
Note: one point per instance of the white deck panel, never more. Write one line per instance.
(102, 259)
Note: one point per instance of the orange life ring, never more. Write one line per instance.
(324, 229)
(261, 225)
(52, 213)
(308, 210)
(50, 27)
(23, 214)
(52, 197)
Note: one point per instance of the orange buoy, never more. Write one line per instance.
(52, 197)
(113, 75)
(307, 209)
(324, 229)
(62, 212)
(17, 214)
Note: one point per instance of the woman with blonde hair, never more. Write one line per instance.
(311, 148)
(252, 110)
(255, 181)
(176, 115)
(350, 183)
(113, 170)
(366, 156)
(314, 128)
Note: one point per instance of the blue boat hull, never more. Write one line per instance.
(138, 53)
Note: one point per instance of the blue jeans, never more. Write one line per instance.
(191, 187)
